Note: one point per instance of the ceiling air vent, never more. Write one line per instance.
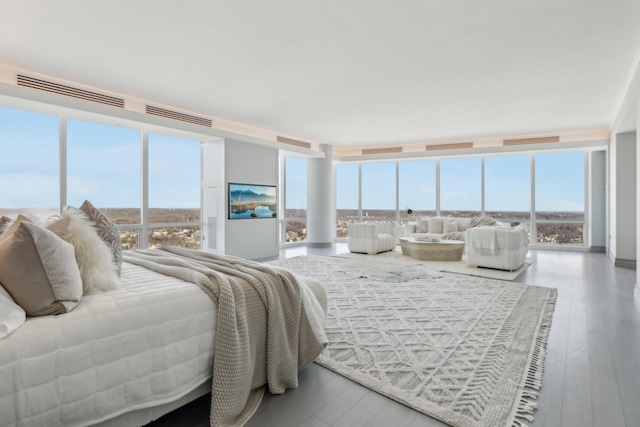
(368, 151)
(526, 141)
(290, 141)
(157, 111)
(457, 146)
(69, 91)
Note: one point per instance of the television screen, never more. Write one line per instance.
(252, 201)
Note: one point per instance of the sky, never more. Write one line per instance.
(104, 166)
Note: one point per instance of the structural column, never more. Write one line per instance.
(321, 223)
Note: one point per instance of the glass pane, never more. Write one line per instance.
(29, 163)
(296, 188)
(560, 186)
(460, 187)
(129, 239)
(296, 231)
(560, 233)
(507, 187)
(188, 237)
(174, 179)
(379, 191)
(103, 166)
(417, 189)
(346, 198)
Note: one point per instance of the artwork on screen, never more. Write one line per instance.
(252, 201)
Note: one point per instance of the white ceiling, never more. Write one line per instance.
(344, 72)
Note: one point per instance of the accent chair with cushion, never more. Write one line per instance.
(372, 237)
(504, 248)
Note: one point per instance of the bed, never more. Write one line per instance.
(128, 355)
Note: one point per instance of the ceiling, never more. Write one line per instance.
(344, 72)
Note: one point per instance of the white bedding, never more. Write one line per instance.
(145, 344)
(118, 350)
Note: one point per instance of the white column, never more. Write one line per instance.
(321, 212)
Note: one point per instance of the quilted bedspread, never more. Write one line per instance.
(148, 343)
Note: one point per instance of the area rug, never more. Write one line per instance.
(458, 267)
(468, 351)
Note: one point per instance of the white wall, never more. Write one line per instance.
(247, 163)
(625, 189)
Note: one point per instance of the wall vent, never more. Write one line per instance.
(525, 141)
(59, 89)
(368, 151)
(457, 146)
(169, 114)
(294, 142)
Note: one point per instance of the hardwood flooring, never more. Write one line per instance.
(592, 368)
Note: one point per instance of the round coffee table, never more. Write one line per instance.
(444, 250)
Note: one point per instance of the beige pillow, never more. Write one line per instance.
(449, 225)
(422, 225)
(107, 232)
(38, 269)
(93, 256)
(435, 225)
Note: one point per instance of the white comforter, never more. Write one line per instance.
(146, 344)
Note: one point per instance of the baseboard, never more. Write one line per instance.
(625, 263)
(598, 249)
(319, 245)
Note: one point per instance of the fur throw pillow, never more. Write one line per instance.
(93, 256)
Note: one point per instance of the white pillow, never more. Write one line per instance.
(93, 256)
(449, 225)
(422, 225)
(12, 316)
(435, 225)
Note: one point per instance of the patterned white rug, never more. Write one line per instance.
(459, 267)
(468, 351)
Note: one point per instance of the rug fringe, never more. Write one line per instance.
(533, 381)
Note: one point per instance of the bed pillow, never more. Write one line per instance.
(38, 269)
(422, 225)
(107, 232)
(93, 256)
(449, 225)
(435, 225)
(11, 315)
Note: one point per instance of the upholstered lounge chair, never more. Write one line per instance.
(372, 237)
(496, 247)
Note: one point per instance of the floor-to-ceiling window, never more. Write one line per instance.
(461, 187)
(104, 167)
(416, 189)
(29, 163)
(559, 197)
(499, 186)
(347, 197)
(174, 191)
(507, 188)
(379, 191)
(295, 200)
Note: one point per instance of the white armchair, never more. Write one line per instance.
(372, 237)
(496, 247)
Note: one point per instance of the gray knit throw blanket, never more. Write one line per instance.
(263, 336)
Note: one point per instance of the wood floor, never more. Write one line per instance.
(592, 368)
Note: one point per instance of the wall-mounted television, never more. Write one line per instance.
(248, 201)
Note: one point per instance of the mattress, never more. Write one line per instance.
(143, 345)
